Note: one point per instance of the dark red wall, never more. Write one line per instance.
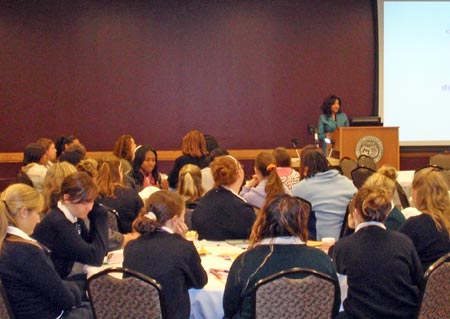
(253, 73)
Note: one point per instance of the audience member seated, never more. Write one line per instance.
(124, 148)
(383, 270)
(52, 183)
(385, 179)
(190, 189)
(194, 152)
(50, 151)
(327, 190)
(73, 154)
(430, 230)
(64, 232)
(33, 287)
(163, 254)
(221, 213)
(277, 243)
(115, 195)
(144, 172)
(207, 178)
(63, 142)
(90, 166)
(265, 183)
(289, 176)
(33, 164)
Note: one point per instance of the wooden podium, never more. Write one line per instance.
(378, 142)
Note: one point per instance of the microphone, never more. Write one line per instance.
(295, 144)
(316, 138)
(328, 140)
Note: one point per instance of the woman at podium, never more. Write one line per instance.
(331, 118)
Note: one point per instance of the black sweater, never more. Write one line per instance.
(34, 288)
(221, 215)
(384, 273)
(173, 262)
(66, 246)
(179, 163)
(431, 243)
(127, 203)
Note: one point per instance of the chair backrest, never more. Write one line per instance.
(404, 201)
(436, 296)
(113, 217)
(133, 296)
(367, 161)
(296, 293)
(5, 308)
(441, 159)
(347, 166)
(360, 174)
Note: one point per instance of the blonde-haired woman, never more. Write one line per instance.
(430, 230)
(33, 287)
(194, 152)
(221, 213)
(190, 183)
(52, 183)
(383, 270)
(190, 188)
(265, 183)
(385, 178)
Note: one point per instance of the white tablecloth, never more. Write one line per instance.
(206, 303)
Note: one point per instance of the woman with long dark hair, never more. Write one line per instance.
(145, 171)
(277, 242)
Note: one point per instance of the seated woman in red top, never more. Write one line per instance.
(163, 254)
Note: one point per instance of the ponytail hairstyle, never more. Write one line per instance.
(265, 163)
(14, 198)
(108, 176)
(373, 204)
(384, 178)
(161, 206)
(190, 183)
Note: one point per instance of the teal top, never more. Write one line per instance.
(395, 219)
(327, 124)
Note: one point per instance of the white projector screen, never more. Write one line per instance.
(414, 70)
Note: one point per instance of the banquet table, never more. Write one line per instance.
(216, 258)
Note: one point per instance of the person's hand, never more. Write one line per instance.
(252, 182)
(164, 184)
(181, 228)
(128, 237)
